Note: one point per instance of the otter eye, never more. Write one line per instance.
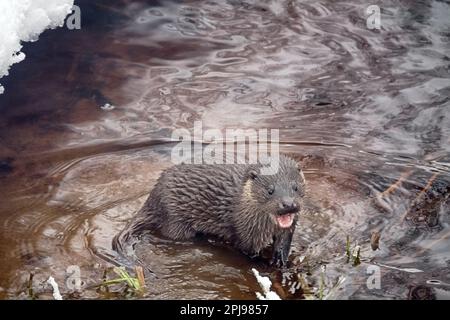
(295, 187)
(271, 190)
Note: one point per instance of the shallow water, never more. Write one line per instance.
(366, 112)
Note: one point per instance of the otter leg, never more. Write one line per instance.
(178, 231)
(281, 247)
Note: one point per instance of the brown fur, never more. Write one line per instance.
(232, 202)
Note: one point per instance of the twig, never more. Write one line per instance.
(397, 183)
(140, 276)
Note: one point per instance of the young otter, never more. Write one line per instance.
(234, 202)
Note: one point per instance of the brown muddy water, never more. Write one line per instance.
(367, 113)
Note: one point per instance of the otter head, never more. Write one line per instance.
(278, 196)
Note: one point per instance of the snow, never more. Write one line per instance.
(265, 284)
(25, 20)
(51, 281)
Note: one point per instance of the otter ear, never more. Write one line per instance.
(253, 174)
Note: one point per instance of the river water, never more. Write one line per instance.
(366, 112)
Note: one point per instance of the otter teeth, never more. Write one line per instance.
(285, 220)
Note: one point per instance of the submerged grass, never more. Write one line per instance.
(322, 283)
(352, 255)
(132, 285)
(31, 294)
(356, 257)
(347, 248)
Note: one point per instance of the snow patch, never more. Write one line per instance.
(265, 284)
(25, 20)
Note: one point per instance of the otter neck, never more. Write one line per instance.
(254, 228)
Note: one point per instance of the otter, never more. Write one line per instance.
(233, 202)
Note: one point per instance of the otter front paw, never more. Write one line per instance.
(279, 258)
(281, 248)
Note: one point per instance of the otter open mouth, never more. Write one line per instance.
(285, 220)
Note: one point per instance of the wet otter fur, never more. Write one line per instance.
(233, 202)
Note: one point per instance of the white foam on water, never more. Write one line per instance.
(23, 21)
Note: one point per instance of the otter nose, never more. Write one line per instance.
(288, 203)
